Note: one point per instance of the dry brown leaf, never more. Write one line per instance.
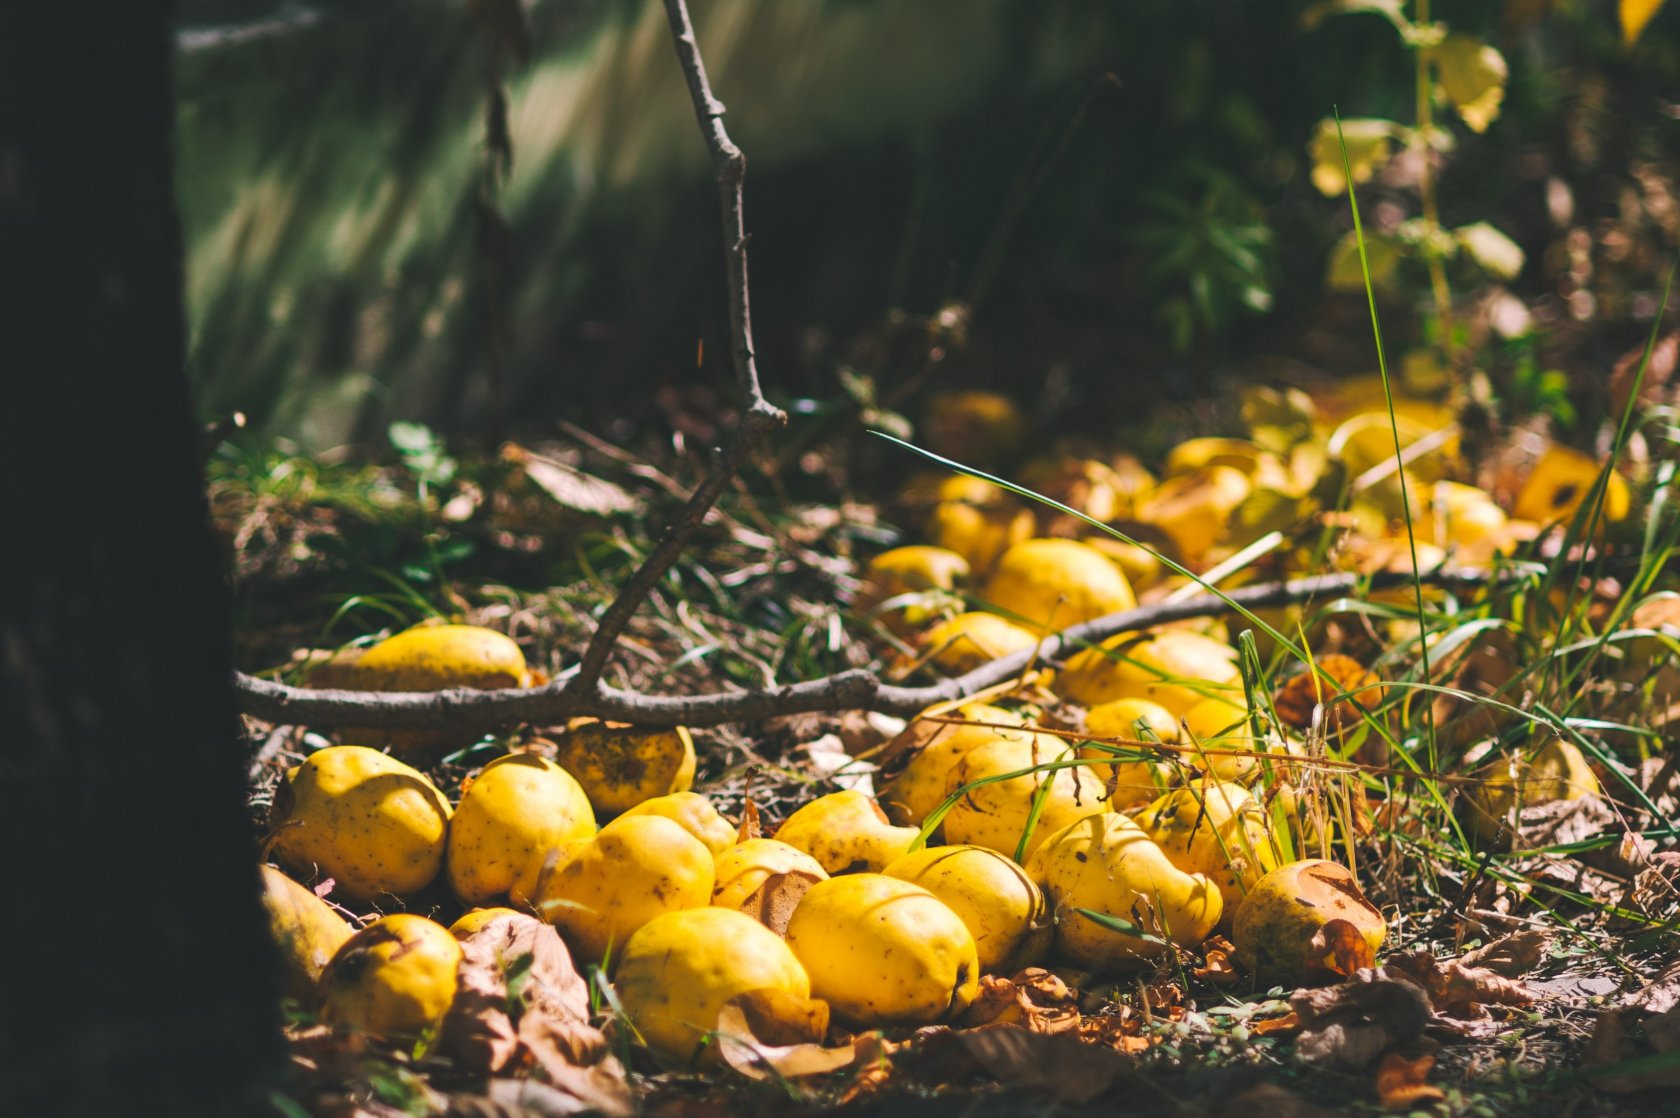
(1403, 1082)
(1343, 949)
(1352, 1024)
(1060, 1065)
(570, 487)
(1456, 990)
(773, 902)
(1217, 966)
(546, 1026)
(1302, 693)
(1271, 1026)
(782, 1040)
(751, 827)
(1035, 999)
(1513, 955)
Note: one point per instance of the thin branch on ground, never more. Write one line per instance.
(851, 690)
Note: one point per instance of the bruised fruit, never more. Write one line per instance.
(996, 814)
(694, 813)
(914, 571)
(1277, 921)
(305, 928)
(679, 970)
(373, 824)
(743, 868)
(845, 832)
(920, 786)
(634, 870)
(471, 923)
(882, 951)
(1105, 864)
(1055, 583)
(516, 814)
(970, 640)
(396, 977)
(619, 765)
(1215, 829)
(1174, 668)
(1004, 911)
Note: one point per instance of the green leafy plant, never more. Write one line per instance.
(1209, 250)
(1453, 70)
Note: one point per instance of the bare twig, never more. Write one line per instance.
(851, 690)
(729, 167)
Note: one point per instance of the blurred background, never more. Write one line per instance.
(481, 216)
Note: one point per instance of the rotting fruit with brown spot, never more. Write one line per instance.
(1277, 921)
(620, 765)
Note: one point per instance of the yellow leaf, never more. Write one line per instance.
(1498, 254)
(1342, 270)
(1635, 15)
(1473, 78)
(1369, 144)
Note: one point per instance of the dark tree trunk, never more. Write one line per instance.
(137, 977)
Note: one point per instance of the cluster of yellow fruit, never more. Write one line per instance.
(662, 893)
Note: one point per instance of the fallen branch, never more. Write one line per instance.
(851, 690)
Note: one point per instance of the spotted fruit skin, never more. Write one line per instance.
(679, 970)
(372, 823)
(431, 658)
(1216, 829)
(997, 815)
(1274, 926)
(919, 787)
(621, 766)
(396, 977)
(633, 871)
(695, 814)
(844, 831)
(518, 813)
(1004, 910)
(1106, 864)
(882, 951)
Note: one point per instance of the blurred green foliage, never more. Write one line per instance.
(902, 156)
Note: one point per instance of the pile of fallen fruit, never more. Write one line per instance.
(1142, 806)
